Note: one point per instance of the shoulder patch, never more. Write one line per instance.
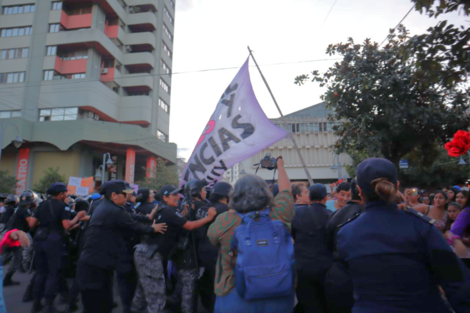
(420, 215)
(178, 214)
(350, 220)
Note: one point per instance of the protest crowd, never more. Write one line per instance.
(369, 246)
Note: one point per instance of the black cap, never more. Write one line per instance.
(169, 190)
(317, 192)
(145, 192)
(26, 198)
(57, 188)
(374, 168)
(116, 186)
(11, 199)
(222, 189)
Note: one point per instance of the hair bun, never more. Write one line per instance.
(384, 189)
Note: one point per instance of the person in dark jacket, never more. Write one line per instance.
(338, 282)
(311, 252)
(146, 198)
(103, 244)
(219, 198)
(398, 260)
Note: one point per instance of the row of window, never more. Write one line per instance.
(55, 28)
(58, 114)
(8, 114)
(163, 137)
(17, 53)
(19, 9)
(167, 13)
(308, 127)
(163, 105)
(54, 75)
(10, 78)
(167, 32)
(166, 50)
(73, 55)
(57, 5)
(172, 3)
(17, 31)
(165, 67)
(79, 11)
(164, 86)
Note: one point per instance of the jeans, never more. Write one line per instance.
(233, 303)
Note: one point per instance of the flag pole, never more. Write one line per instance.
(310, 181)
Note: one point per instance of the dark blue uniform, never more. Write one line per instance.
(398, 260)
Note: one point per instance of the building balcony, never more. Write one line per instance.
(70, 66)
(142, 22)
(142, 80)
(135, 110)
(16, 20)
(139, 61)
(141, 41)
(76, 21)
(143, 4)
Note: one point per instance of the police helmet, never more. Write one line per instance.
(26, 198)
(11, 199)
(81, 205)
(222, 189)
(193, 187)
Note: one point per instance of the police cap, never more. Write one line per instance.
(145, 192)
(374, 168)
(117, 186)
(169, 190)
(222, 189)
(317, 192)
(57, 188)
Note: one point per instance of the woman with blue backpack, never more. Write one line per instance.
(255, 267)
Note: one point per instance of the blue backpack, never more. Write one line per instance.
(265, 263)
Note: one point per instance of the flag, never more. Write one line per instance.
(237, 130)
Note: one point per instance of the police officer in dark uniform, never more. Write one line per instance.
(103, 244)
(10, 204)
(398, 260)
(53, 217)
(311, 253)
(146, 198)
(338, 283)
(219, 198)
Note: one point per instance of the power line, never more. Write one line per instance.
(331, 9)
(398, 24)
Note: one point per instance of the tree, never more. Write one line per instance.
(443, 6)
(7, 182)
(51, 175)
(386, 104)
(164, 175)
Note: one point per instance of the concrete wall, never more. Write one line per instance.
(8, 163)
(68, 163)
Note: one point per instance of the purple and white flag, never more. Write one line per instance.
(237, 130)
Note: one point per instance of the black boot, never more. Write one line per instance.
(7, 281)
(50, 308)
(37, 307)
(28, 295)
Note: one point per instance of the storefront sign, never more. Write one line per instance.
(22, 170)
(130, 165)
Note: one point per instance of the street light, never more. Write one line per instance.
(98, 174)
(17, 142)
(106, 163)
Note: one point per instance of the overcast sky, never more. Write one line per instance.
(214, 34)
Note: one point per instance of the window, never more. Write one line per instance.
(18, 53)
(167, 50)
(51, 50)
(56, 5)
(164, 86)
(165, 67)
(48, 75)
(163, 105)
(79, 11)
(172, 3)
(73, 55)
(58, 114)
(138, 93)
(167, 13)
(13, 32)
(8, 114)
(162, 136)
(19, 9)
(10, 78)
(167, 32)
(54, 28)
(322, 127)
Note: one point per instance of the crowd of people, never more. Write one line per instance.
(367, 247)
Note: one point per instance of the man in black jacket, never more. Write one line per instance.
(311, 252)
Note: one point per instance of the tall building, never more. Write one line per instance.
(83, 78)
(315, 137)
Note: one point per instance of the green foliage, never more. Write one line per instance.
(442, 6)
(51, 175)
(357, 157)
(388, 101)
(444, 171)
(165, 175)
(7, 182)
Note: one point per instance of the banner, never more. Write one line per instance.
(130, 165)
(22, 170)
(237, 130)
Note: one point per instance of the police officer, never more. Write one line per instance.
(311, 253)
(338, 282)
(10, 204)
(53, 217)
(398, 260)
(146, 198)
(219, 198)
(103, 243)
(153, 254)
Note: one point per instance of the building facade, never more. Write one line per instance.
(315, 136)
(82, 78)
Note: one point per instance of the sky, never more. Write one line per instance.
(288, 38)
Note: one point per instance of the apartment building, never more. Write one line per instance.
(82, 78)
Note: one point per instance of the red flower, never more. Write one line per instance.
(459, 145)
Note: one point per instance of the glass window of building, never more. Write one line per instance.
(167, 13)
(162, 136)
(10, 78)
(51, 50)
(167, 32)
(166, 50)
(49, 75)
(163, 105)
(172, 3)
(8, 114)
(58, 114)
(165, 67)
(19, 9)
(54, 28)
(164, 86)
(57, 5)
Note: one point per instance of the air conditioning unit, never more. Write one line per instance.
(104, 70)
(128, 48)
